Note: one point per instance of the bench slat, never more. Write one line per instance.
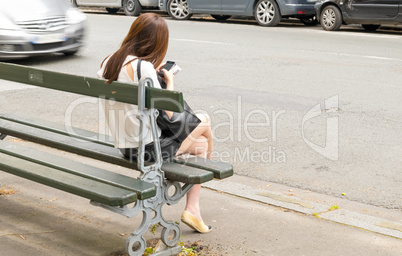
(175, 172)
(93, 190)
(61, 129)
(143, 189)
(108, 154)
(63, 142)
(122, 92)
(220, 170)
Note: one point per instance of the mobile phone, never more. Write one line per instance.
(167, 66)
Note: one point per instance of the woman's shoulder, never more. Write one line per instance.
(148, 70)
(144, 63)
(147, 64)
(147, 67)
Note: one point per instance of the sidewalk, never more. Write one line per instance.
(249, 217)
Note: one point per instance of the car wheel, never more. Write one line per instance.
(267, 13)
(178, 9)
(132, 7)
(309, 21)
(331, 18)
(112, 10)
(70, 53)
(2, 136)
(370, 27)
(221, 17)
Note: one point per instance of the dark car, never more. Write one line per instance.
(38, 27)
(371, 14)
(266, 12)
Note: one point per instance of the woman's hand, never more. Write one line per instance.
(168, 77)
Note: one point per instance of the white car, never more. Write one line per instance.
(130, 7)
(38, 27)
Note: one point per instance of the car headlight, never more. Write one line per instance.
(75, 16)
(5, 23)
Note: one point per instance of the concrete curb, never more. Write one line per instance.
(326, 212)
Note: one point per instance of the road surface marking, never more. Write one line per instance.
(356, 55)
(361, 34)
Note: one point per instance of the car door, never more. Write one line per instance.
(85, 2)
(234, 6)
(111, 2)
(371, 9)
(204, 6)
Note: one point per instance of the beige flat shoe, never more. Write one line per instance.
(191, 221)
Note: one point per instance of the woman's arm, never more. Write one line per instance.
(168, 79)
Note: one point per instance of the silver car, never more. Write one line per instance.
(38, 27)
(266, 12)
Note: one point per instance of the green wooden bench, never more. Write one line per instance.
(125, 195)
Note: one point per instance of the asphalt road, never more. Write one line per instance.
(291, 104)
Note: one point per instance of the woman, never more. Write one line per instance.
(148, 40)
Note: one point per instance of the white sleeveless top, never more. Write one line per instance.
(121, 118)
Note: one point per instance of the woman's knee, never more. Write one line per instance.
(205, 124)
(197, 147)
(205, 119)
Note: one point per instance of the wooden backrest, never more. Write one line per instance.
(122, 92)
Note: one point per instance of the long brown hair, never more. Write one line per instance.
(148, 39)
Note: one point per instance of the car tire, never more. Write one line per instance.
(267, 13)
(132, 7)
(112, 10)
(221, 17)
(331, 18)
(370, 27)
(309, 21)
(71, 52)
(178, 10)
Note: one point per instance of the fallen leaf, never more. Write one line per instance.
(6, 192)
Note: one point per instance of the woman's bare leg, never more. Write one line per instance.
(199, 149)
(195, 143)
(198, 143)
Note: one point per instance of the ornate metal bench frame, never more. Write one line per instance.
(152, 208)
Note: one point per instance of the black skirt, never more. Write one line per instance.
(169, 148)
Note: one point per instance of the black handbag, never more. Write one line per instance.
(180, 125)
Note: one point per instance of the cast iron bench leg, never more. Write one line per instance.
(152, 214)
